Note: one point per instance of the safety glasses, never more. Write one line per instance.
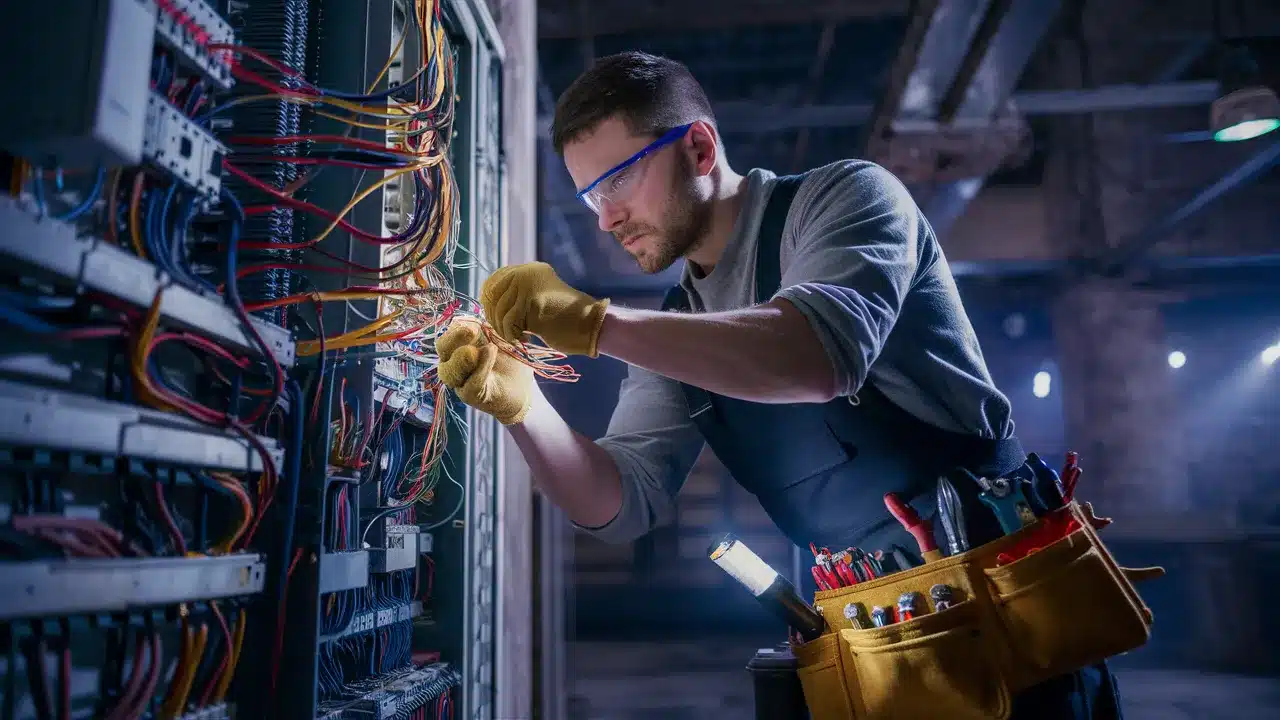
(618, 181)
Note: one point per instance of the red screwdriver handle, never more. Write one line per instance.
(910, 519)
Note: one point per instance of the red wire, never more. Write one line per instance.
(91, 333)
(304, 267)
(269, 482)
(304, 206)
(226, 658)
(179, 543)
(126, 707)
(279, 646)
(64, 682)
(296, 160)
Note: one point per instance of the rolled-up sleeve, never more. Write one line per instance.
(852, 235)
(655, 444)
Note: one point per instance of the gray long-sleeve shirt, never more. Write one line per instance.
(863, 265)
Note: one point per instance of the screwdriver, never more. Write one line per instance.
(951, 517)
(942, 597)
(854, 613)
(908, 606)
(879, 616)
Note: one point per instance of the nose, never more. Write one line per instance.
(611, 215)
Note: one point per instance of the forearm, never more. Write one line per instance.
(765, 354)
(577, 475)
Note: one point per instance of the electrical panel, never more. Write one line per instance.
(231, 483)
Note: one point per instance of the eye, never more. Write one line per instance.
(620, 178)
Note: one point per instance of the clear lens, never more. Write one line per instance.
(614, 188)
(744, 565)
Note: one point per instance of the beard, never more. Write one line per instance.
(685, 222)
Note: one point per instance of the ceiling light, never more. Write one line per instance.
(1271, 355)
(1245, 114)
(1247, 108)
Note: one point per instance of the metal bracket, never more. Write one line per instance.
(37, 417)
(68, 587)
(51, 247)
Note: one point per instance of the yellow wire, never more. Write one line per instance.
(181, 687)
(224, 683)
(361, 196)
(339, 341)
(141, 349)
(232, 484)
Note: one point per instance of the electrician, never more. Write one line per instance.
(821, 348)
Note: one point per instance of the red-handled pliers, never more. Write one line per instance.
(822, 573)
(845, 572)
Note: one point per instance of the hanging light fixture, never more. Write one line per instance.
(1247, 107)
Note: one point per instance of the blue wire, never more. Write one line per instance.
(233, 290)
(197, 92)
(38, 190)
(158, 255)
(87, 204)
(23, 321)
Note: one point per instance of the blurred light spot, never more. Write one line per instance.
(1040, 386)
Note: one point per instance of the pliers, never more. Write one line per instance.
(1005, 498)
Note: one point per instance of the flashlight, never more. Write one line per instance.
(772, 590)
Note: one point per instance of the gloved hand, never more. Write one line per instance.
(484, 377)
(531, 298)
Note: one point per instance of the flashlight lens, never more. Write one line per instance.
(745, 566)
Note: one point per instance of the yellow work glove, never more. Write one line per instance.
(531, 298)
(484, 377)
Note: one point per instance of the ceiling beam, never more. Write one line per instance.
(560, 19)
(745, 116)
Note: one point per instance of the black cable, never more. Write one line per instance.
(9, 709)
(37, 680)
(64, 670)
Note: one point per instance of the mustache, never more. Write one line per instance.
(630, 231)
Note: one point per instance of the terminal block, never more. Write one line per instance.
(188, 28)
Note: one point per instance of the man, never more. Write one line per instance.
(824, 353)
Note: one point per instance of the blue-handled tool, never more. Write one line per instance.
(1005, 498)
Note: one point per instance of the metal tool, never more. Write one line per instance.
(843, 570)
(856, 616)
(1039, 507)
(823, 574)
(1047, 481)
(874, 560)
(1070, 476)
(1005, 498)
(910, 519)
(942, 595)
(909, 604)
(951, 517)
(880, 617)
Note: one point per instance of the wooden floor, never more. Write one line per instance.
(688, 681)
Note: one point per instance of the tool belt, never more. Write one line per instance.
(1011, 625)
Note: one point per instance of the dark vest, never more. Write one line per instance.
(821, 470)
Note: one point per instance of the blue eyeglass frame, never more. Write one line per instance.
(666, 139)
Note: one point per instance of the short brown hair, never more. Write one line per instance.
(652, 94)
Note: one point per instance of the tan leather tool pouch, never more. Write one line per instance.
(1011, 626)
